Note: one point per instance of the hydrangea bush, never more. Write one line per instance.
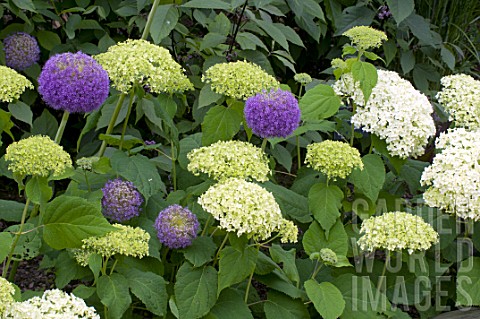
(260, 155)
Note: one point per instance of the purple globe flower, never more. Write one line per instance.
(176, 226)
(21, 51)
(272, 114)
(73, 82)
(121, 200)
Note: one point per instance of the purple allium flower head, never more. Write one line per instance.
(21, 51)
(176, 226)
(384, 12)
(73, 82)
(121, 200)
(272, 114)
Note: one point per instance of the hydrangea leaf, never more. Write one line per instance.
(67, 220)
(150, 288)
(366, 74)
(11, 211)
(281, 306)
(325, 202)
(29, 243)
(38, 190)
(319, 103)
(369, 181)
(21, 112)
(400, 9)
(314, 239)
(291, 203)
(287, 258)
(221, 123)
(164, 21)
(195, 291)
(235, 266)
(48, 40)
(200, 251)
(326, 298)
(230, 305)
(207, 96)
(5, 243)
(468, 283)
(114, 293)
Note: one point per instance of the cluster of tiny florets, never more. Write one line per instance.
(86, 163)
(302, 78)
(139, 62)
(6, 295)
(21, 51)
(239, 80)
(453, 179)
(37, 155)
(333, 158)
(396, 112)
(272, 114)
(53, 304)
(364, 37)
(460, 97)
(328, 256)
(12, 84)
(226, 159)
(395, 231)
(127, 241)
(176, 226)
(247, 208)
(73, 82)
(121, 200)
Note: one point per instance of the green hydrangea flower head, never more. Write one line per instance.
(226, 159)
(140, 62)
(12, 84)
(339, 64)
(86, 163)
(239, 80)
(328, 256)
(333, 158)
(395, 231)
(302, 78)
(37, 155)
(247, 208)
(127, 241)
(6, 294)
(364, 37)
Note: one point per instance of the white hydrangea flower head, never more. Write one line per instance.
(460, 97)
(227, 159)
(396, 112)
(247, 208)
(395, 231)
(453, 179)
(54, 304)
(6, 294)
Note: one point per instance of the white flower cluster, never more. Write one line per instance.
(6, 294)
(54, 304)
(396, 231)
(247, 208)
(460, 97)
(454, 176)
(396, 112)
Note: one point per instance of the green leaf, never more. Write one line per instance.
(25, 5)
(282, 156)
(11, 211)
(150, 288)
(67, 220)
(319, 102)
(291, 203)
(38, 190)
(129, 141)
(279, 281)
(186, 145)
(201, 251)
(281, 306)
(235, 266)
(325, 203)
(195, 291)
(211, 40)
(274, 32)
(21, 112)
(314, 239)
(369, 181)
(221, 123)
(207, 96)
(326, 298)
(249, 41)
(400, 9)
(468, 282)
(287, 258)
(113, 292)
(164, 21)
(210, 4)
(407, 61)
(45, 124)
(140, 171)
(5, 244)
(411, 172)
(29, 243)
(447, 57)
(366, 74)
(230, 305)
(420, 28)
(353, 16)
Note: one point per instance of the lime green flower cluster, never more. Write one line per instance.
(140, 62)
(239, 80)
(226, 159)
(396, 231)
(86, 163)
(12, 84)
(247, 208)
(328, 256)
(127, 241)
(364, 37)
(37, 155)
(302, 78)
(333, 158)
(6, 294)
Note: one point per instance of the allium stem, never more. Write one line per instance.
(111, 125)
(148, 25)
(125, 122)
(264, 144)
(15, 241)
(174, 169)
(61, 127)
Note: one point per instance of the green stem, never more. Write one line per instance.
(13, 271)
(61, 127)
(382, 276)
(219, 249)
(174, 168)
(148, 25)
(113, 266)
(250, 280)
(206, 225)
(125, 122)
(111, 125)
(299, 160)
(15, 241)
(86, 181)
(354, 107)
(264, 144)
(317, 270)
